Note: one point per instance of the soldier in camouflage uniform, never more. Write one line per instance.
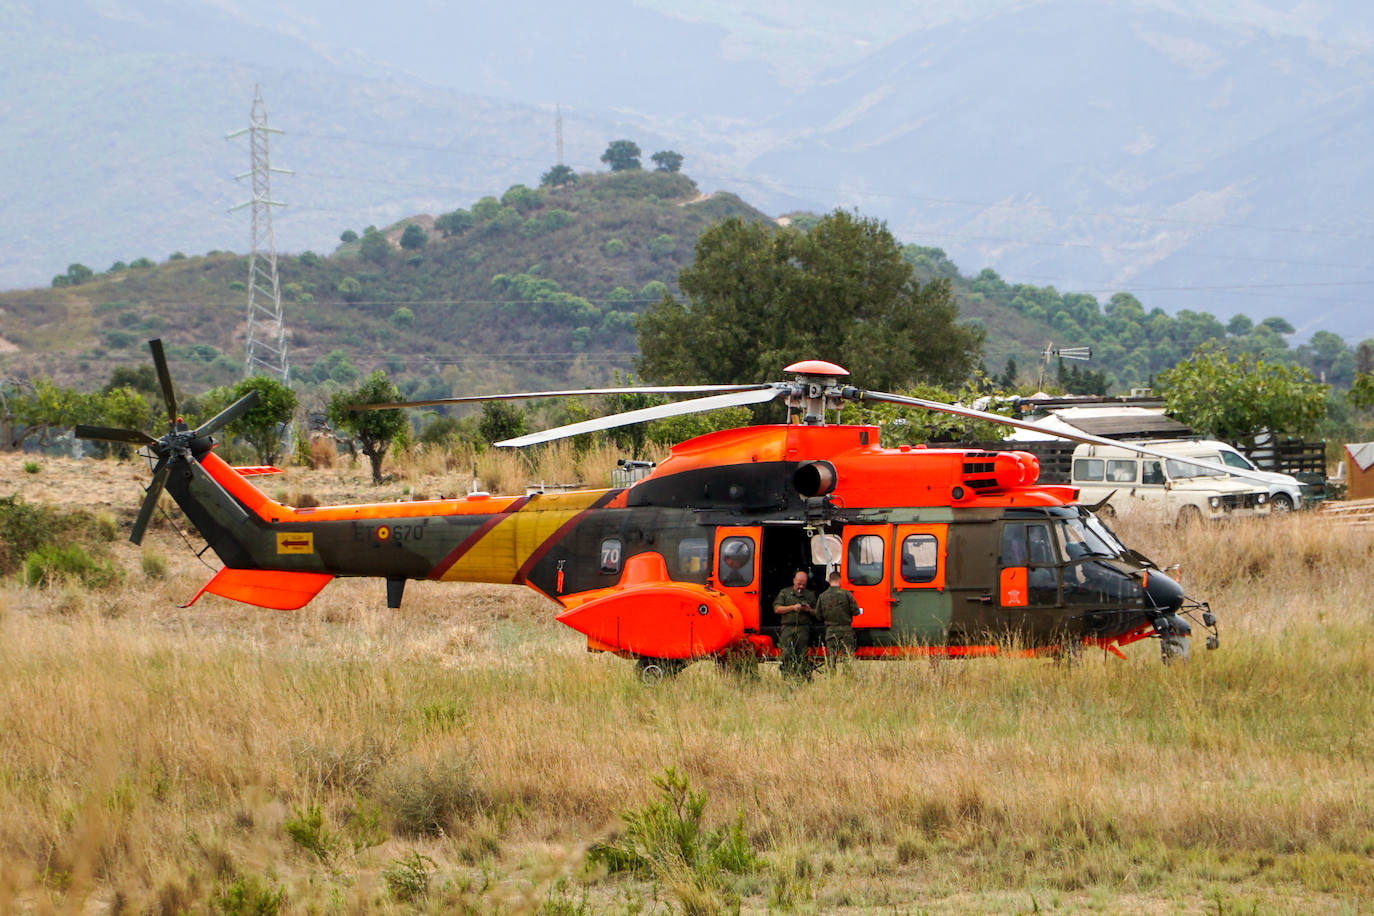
(837, 609)
(796, 606)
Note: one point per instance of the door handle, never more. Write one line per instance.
(983, 599)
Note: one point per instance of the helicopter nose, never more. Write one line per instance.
(1162, 593)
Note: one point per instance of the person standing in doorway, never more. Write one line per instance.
(837, 609)
(796, 607)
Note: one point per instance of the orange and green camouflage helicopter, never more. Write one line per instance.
(949, 551)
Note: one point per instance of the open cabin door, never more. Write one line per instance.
(736, 570)
(868, 573)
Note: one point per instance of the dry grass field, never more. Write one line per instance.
(465, 754)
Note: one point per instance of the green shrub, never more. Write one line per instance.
(32, 467)
(408, 877)
(249, 896)
(668, 833)
(68, 563)
(428, 800)
(308, 831)
(154, 564)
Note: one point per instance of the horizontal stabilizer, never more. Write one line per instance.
(257, 470)
(270, 588)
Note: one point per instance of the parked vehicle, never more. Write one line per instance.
(1286, 492)
(1182, 491)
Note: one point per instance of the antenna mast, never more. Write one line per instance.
(558, 129)
(266, 346)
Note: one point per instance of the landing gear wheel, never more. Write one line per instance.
(654, 671)
(1173, 649)
(1281, 502)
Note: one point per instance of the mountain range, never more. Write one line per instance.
(1209, 157)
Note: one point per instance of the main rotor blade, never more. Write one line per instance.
(145, 511)
(758, 395)
(109, 434)
(228, 414)
(1087, 438)
(572, 392)
(164, 378)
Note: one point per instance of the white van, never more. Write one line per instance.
(1181, 491)
(1285, 491)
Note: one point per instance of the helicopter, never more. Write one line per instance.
(950, 552)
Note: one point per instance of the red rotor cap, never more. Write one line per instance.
(816, 367)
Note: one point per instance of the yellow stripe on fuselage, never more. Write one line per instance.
(503, 550)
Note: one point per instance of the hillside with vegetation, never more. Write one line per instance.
(542, 287)
(535, 287)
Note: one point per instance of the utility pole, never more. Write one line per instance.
(266, 345)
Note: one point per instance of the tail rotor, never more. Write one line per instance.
(180, 444)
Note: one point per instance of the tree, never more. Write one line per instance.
(454, 223)
(348, 235)
(760, 297)
(500, 421)
(622, 155)
(350, 288)
(1236, 399)
(375, 430)
(413, 238)
(263, 425)
(557, 176)
(667, 161)
(375, 247)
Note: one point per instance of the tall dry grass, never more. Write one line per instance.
(156, 757)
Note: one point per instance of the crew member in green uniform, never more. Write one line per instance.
(837, 609)
(796, 606)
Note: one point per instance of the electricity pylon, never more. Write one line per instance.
(266, 345)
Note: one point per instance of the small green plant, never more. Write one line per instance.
(154, 564)
(32, 467)
(408, 877)
(307, 829)
(247, 895)
(670, 831)
(364, 824)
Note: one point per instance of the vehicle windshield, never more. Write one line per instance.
(1086, 536)
(1179, 470)
(1237, 460)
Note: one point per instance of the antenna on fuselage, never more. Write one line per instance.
(815, 391)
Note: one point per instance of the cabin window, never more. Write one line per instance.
(692, 558)
(866, 560)
(1088, 468)
(1121, 470)
(610, 556)
(736, 566)
(1151, 473)
(919, 558)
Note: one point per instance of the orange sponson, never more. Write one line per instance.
(651, 615)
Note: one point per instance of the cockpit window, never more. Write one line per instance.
(1088, 537)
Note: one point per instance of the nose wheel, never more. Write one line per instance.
(654, 671)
